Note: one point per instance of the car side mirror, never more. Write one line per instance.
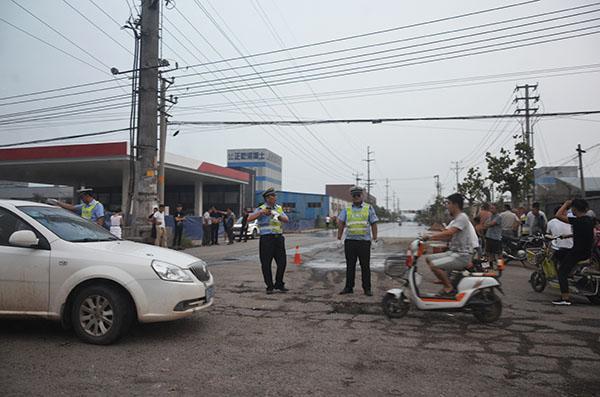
(24, 238)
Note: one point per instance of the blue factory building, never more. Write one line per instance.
(305, 210)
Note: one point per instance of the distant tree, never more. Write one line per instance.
(512, 174)
(473, 187)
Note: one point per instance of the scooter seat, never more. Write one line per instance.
(584, 262)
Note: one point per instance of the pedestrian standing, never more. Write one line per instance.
(214, 225)
(206, 229)
(153, 221)
(560, 246)
(493, 234)
(536, 220)
(327, 221)
(271, 245)
(482, 217)
(179, 219)
(228, 224)
(116, 220)
(244, 228)
(361, 223)
(509, 222)
(161, 228)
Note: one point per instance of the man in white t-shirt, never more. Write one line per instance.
(161, 228)
(557, 228)
(206, 228)
(463, 243)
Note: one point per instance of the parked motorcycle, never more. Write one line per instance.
(515, 248)
(584, 280)
(475, 293)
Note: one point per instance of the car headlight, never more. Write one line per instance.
(170, 272)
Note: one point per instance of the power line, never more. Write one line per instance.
(381, 120)
(527, 24)
(346, 38)
(402, 63)
(64, 138)
(97, 27)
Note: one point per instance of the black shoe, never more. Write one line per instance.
(282, 289)
(346, 291)
(368, 292)
(562, 302)
(269, 291)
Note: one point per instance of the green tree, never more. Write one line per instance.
(473, 186)
(512, 174)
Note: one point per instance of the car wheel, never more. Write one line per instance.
(254, 234)
(101, 314)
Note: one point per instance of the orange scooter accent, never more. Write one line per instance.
(456, 298)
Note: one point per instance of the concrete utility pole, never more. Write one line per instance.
(438, 186)
(394, 201)
(145, 189)
(387, 194)
(357, 176)
(456, 169)
(580, 153)
(163, 136)
(370, 182)
(529, 110)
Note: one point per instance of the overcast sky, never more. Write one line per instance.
(318, 155)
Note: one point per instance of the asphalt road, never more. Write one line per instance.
(312, 341)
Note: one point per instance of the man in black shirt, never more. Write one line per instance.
(583, 238)
(179, 218)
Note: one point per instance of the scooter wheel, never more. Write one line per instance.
(490, 312)
(594, 299)
(538, 281)
(394, 307)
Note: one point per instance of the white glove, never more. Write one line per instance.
(339, 244)
(276, 216)
(375, 244)
(52, 201)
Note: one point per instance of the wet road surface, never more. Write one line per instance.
(312, 341)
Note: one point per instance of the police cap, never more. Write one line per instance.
(85, 190)
(356, 189)
(270, 191)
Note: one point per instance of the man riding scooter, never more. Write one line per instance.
(583, 238)
(463, 242)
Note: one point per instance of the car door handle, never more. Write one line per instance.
(63, 263)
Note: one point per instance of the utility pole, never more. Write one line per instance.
(163, 135)
(394, 201)
(456, 169)
(357, 175)
(529, 110)
(387, 194)
(438, 186)
(580, 153)
(370, 182)
(145, 189)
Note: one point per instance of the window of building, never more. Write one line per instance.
(288, 205)
(314, 205)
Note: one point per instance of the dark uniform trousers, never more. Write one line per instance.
(361, 250)
(272, 246)
(178, 234)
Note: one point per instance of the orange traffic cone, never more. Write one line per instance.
(297, 257)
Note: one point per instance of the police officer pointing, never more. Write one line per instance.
(360, 221)
(270, 217)
(89, 209)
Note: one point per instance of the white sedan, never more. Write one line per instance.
(56, 265)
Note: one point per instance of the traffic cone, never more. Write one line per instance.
(297, 257)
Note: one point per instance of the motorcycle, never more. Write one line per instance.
(475, 291)
(584, 280)
(515, 248)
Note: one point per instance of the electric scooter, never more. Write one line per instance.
(584, 280)
(475, 292)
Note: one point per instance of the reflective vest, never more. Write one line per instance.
(358, 221)
(86, 211)
(274, 225)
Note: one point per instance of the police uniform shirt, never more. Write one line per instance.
(343, 217)
(97, 211)
(264, 221)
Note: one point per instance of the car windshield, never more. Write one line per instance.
(67, 225)
(239, 219)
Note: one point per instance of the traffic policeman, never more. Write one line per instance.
(360, 222)
(89, 209)
(271, 246)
